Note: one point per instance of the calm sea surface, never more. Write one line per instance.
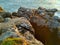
(13, 5)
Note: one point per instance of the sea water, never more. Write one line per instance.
(13, 5)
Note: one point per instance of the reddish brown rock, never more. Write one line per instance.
(42, 31)
(45, 30)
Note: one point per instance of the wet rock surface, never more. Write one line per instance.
(27, 26)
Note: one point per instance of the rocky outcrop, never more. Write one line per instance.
(46, 27)
(27, 26)
(17, 31)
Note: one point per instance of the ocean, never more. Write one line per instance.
(13, 5)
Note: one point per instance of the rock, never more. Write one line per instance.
(44, 24)
(21, 41)
(14, 41)
(52, 10)
(31, 25)
(24, 12)
(7, 35)
(1, 19)
(14, 14)
(44, 11)
(1, 9)
(25, 24)
(19, 22)
(41, 8)
(41, 12)
(12, 33)
(51, 14)
(42, 31)
(31, 39)
(5, 14)
(7, 19)
(45, 29)
(59, 20)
